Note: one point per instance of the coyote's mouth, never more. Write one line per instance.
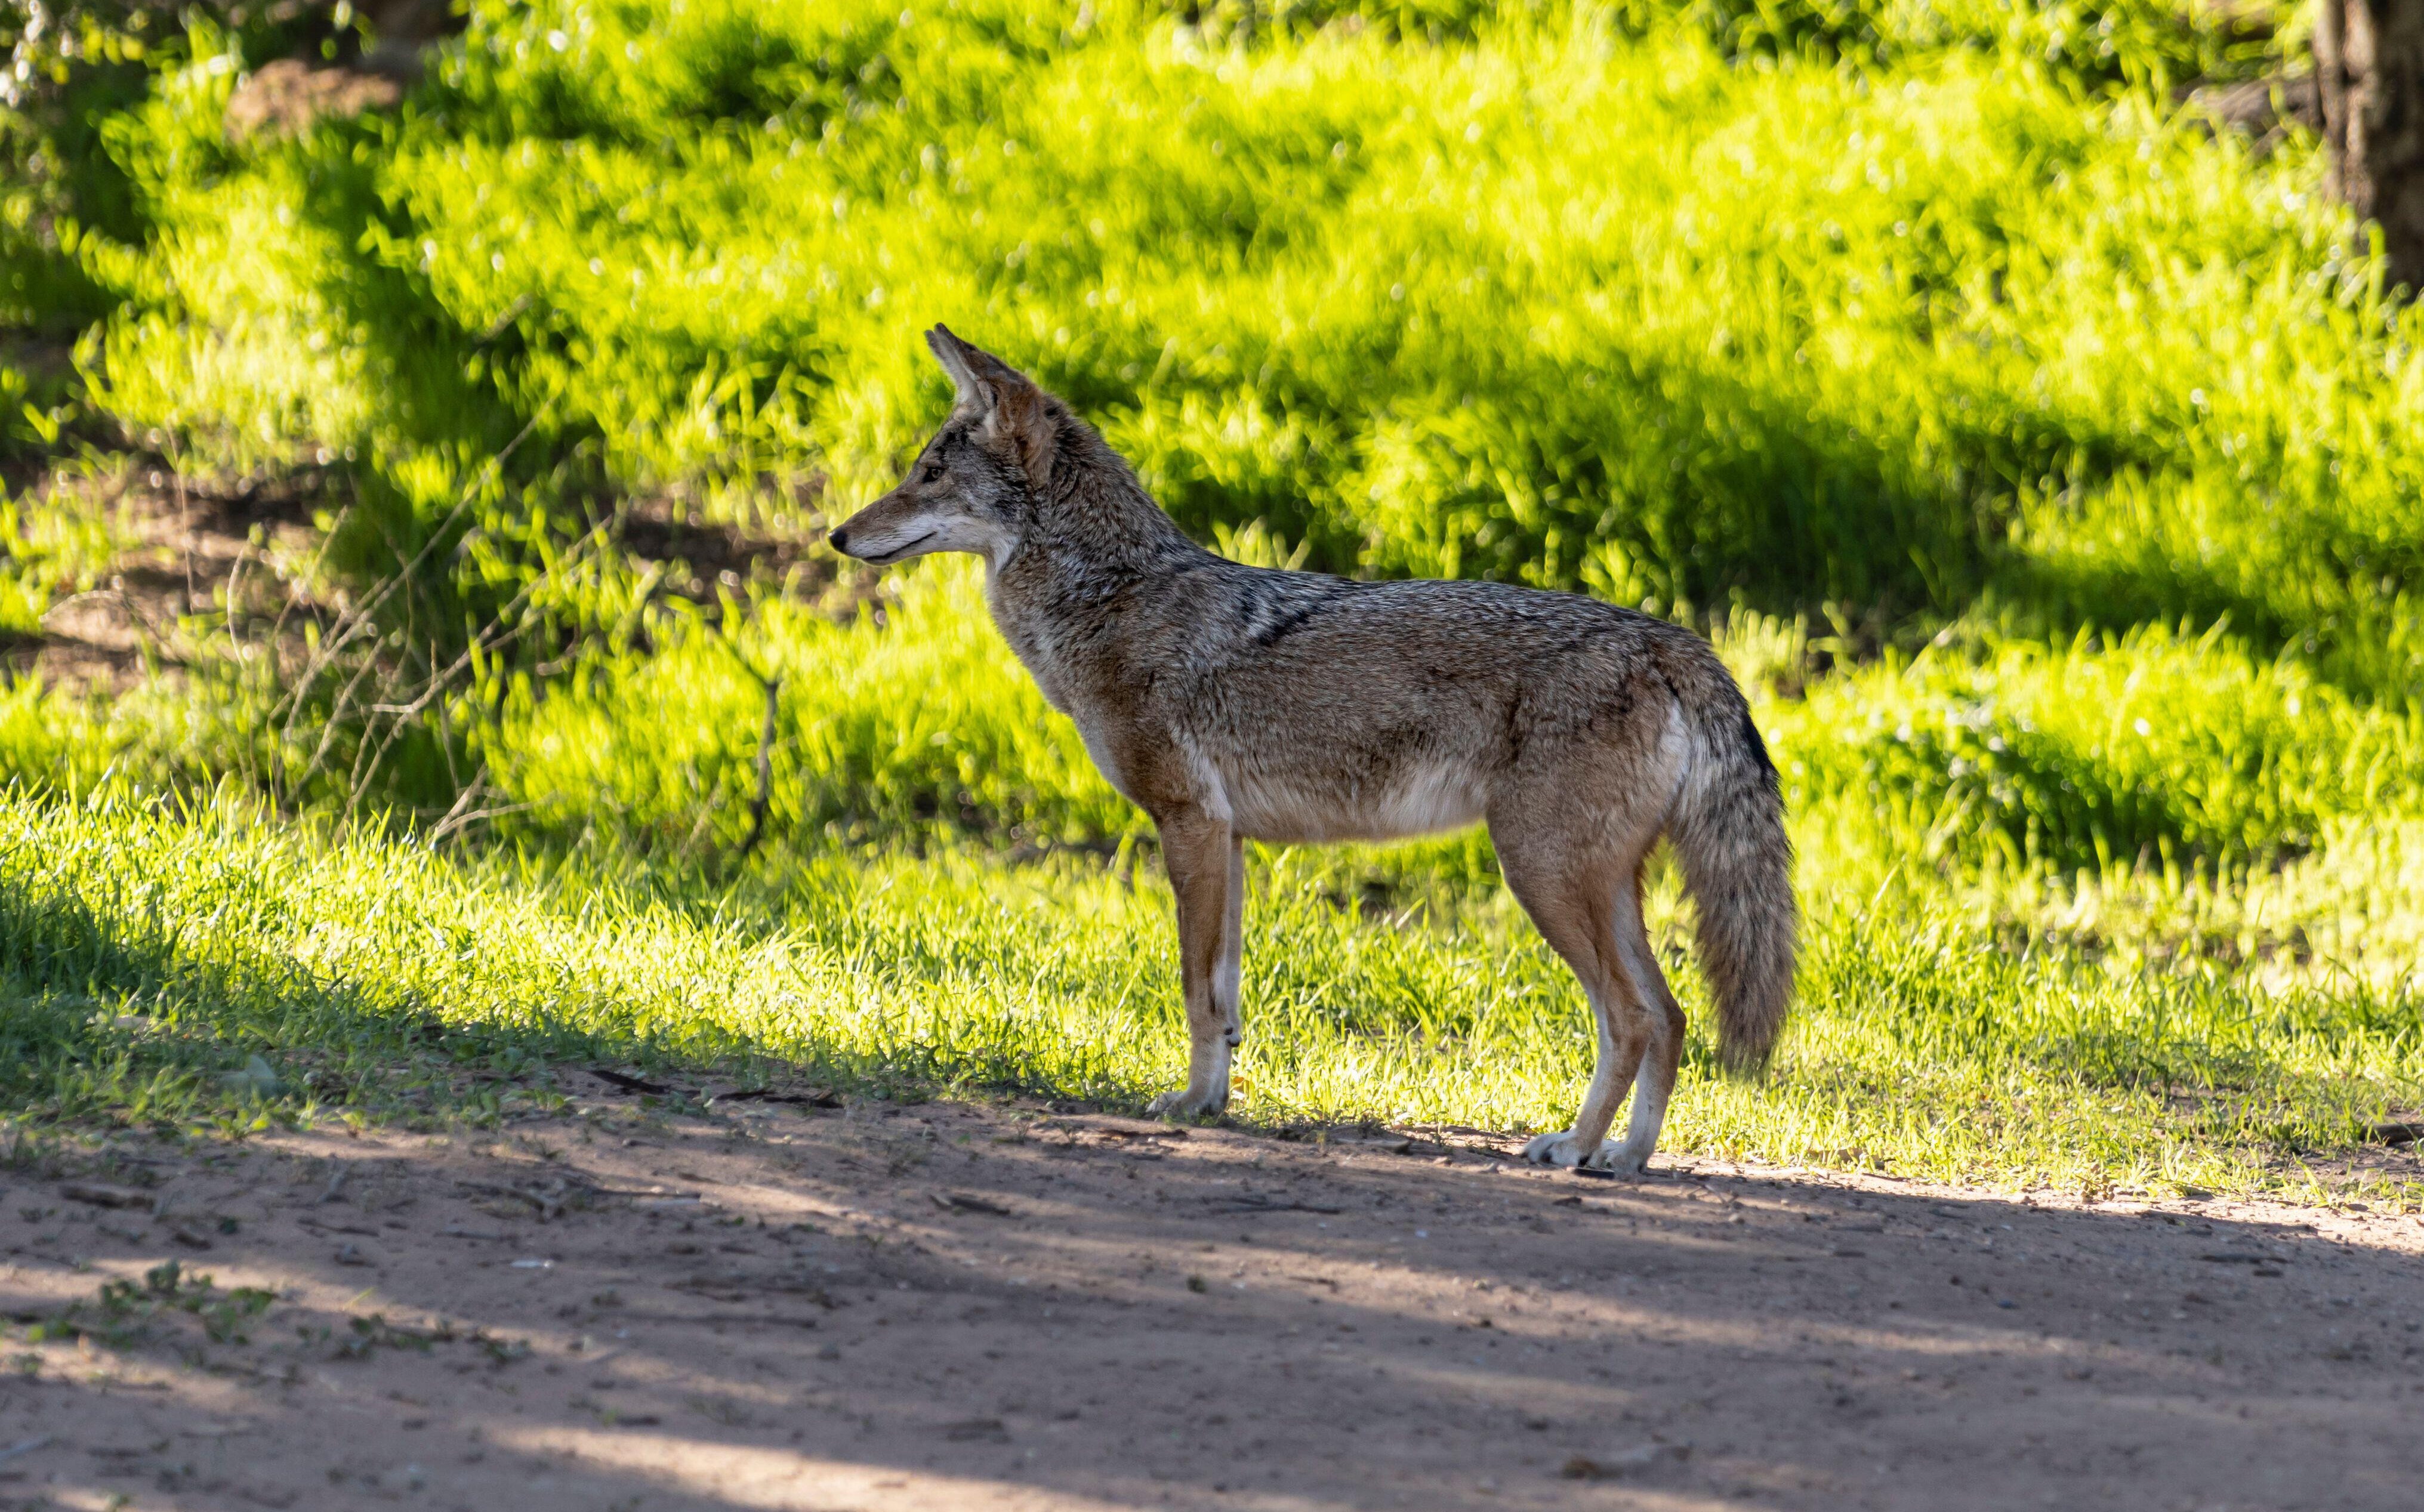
(880, 559)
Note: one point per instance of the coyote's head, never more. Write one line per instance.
(972, 489)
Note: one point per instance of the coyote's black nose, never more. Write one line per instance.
(838, 540)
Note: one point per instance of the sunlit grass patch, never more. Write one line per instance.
(149, 956)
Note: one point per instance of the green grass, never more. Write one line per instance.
(2045, 462)
(1551, 305)
(53, 545)
(925, 723)
(149, 955)
(2148, 749)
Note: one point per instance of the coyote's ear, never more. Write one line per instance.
(959, 359)
(1013, 407)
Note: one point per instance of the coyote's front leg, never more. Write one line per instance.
(1205, 861)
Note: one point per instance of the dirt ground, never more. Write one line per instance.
(954, 1306)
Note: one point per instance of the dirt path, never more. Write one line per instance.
(955, 1307)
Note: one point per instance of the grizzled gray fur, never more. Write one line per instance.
(1235, 702)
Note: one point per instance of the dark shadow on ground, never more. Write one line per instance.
(959, 1306)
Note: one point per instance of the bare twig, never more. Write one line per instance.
(462, 816)
(758, 805)
(549, 1200)
(642, 1315)
(477, 816)
(366, 681)
(361, 619)
(773, 688)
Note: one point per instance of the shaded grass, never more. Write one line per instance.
(2147, 749)
(147, 955)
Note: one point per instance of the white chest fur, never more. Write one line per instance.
(1416, 799)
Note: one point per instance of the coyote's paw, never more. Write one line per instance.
(1558, 1149)
(1187, 1100)
(1563, 1149)
(1618, 1158)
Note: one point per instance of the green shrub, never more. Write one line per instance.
(1542, 306)
(2150, 749)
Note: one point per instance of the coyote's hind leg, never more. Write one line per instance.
(1573, 902)
(1204, 862)
(1228, 972)
(1655, 1082)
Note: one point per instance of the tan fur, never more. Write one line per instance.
(1235, 702)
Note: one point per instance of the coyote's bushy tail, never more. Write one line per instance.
(1728, 828)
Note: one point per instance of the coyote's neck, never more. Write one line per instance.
(1074, 575)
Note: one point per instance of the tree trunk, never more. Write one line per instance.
(2370, 65)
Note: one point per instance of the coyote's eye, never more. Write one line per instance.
(932, 472)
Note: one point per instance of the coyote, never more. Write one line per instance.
(1235, 702)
